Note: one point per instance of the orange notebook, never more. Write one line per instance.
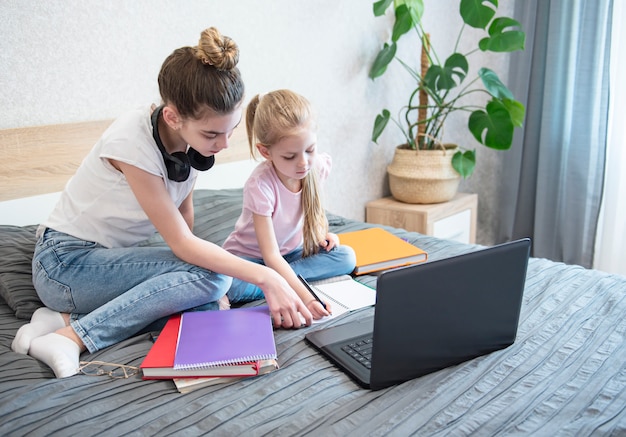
(377, 249)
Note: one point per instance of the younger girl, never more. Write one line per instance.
(283, 224)
(98, 284)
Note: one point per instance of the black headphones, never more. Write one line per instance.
(178, 163)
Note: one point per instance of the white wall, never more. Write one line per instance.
(71, 60)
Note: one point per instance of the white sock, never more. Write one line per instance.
(44, 321)
(60, 353)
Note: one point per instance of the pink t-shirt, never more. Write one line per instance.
(264, 194)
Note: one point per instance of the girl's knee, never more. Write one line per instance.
(219, 285)
(214, 284)
(242, 292)
(217, 281)
(224, 282)
(348, 255)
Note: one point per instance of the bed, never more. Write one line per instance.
(564, 375)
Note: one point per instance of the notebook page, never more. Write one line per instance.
(346, 295)
(332, 279)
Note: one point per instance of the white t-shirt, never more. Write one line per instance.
(264, 194)
(97, 203)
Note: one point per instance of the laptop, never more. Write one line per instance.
(431, 316)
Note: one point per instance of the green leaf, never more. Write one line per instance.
(494, 85)
(464, 163)
(403, 23)
(416, 8)
(380, 7)
(493, 128)
(380, 123)
(516, 110)
(384, 57)
(478, 13)
(505, 35)
(443, 78)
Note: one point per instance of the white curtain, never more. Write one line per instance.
(610, 252)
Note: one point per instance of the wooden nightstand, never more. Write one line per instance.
(454, 220)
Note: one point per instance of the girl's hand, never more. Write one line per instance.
(331, 241)
(317, 310)
(286, 307)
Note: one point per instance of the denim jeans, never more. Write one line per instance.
(111, 294)
(340, 260)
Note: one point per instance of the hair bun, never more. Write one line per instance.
(217, 50)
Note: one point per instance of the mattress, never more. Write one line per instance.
(564, 375)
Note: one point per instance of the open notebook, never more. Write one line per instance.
(344, 294)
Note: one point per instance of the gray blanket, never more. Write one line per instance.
(564, 375)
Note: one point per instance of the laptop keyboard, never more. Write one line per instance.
(361, 351)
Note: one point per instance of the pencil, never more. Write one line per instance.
(308, 287)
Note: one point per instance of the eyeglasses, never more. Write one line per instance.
(102, 368)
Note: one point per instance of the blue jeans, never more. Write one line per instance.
(111, 294)
(340, 260)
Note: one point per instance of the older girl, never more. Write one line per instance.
(98, 284)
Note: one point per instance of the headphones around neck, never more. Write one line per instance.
(178, 163)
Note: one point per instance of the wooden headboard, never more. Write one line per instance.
(41, 159)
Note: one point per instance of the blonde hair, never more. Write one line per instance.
(271, 117)
(194, 78)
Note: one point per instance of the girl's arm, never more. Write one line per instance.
(285, 305)
(186, 210)
(270, 251)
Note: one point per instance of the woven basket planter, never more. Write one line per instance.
(423, 176)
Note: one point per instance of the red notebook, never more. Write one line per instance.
(216, 338)
(159, 362)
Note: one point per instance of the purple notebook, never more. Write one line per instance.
(215, 338)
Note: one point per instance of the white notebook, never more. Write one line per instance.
(344, 294)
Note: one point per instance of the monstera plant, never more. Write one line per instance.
(442, 85)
